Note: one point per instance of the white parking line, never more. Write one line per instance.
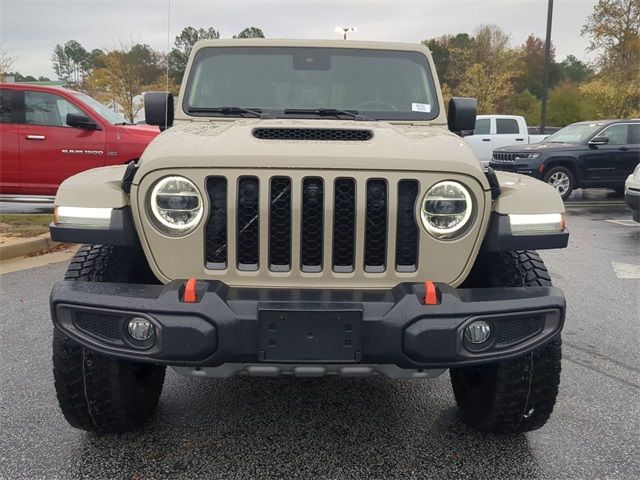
(594, 204)
(626, 270)
(624, 223)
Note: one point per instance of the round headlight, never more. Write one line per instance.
(176, 206)
(446, 209)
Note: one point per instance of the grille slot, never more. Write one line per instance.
(280, 225)
(407, 230)
(103, 326)
(328, 134)
(216, 231)
(248, 223)
(375, 243)
(344, 225)
(518, 329)
(312, 224)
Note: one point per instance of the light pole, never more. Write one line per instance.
(547, 59)
(344, 30)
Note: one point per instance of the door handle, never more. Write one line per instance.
(519, 139)
(35, 137)
(623, 149)
(486, 139)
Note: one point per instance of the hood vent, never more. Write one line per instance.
(329, 134)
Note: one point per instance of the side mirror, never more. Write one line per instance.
(81, 121)
(158, 109)
(462, 114)
(599, 141)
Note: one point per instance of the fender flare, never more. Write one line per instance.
(522, 195)
(97, 188)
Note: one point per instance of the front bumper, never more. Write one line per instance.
(531, 170)
(269, 326)
(632, 197)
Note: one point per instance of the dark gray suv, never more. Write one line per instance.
(599, 153)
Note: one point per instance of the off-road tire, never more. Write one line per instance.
(568, 173)
(512, 396)
(98, 393)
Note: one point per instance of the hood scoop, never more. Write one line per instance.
(328, 134)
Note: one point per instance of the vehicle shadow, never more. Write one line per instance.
(308, 428)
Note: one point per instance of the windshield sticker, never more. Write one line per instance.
(421, 107)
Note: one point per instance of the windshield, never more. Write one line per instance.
(380, 84)
(574, 133)
(109, 115)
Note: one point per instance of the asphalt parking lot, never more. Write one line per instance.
(348, 428)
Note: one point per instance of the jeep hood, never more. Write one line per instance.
(233, 145)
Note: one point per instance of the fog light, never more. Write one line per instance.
(140, 328)
(477, 332)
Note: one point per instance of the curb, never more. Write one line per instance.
(25, 247)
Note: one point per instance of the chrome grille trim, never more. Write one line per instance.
(505, 157)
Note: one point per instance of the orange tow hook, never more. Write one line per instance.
(430, 293)
(190, 295)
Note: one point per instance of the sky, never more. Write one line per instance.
(30, 29)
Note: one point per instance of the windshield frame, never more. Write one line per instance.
(405, 116)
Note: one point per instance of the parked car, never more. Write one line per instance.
(493, 131)
(632, 192)
(51, 133)
(592, 154)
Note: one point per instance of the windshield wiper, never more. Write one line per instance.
(330, 112)
(256, 112)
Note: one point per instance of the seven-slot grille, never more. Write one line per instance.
(318, 207)
(504, 157)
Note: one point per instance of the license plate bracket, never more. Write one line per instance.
(310, 334)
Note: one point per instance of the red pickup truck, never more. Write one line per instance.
(49, 134)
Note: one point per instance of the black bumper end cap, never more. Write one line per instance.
(121, 231)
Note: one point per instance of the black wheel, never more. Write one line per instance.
(619, 191)
(98, 393)
(561, 178)
(517, 395)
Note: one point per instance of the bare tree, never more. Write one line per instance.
(6, 61)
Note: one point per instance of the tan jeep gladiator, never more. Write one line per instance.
(308, 210)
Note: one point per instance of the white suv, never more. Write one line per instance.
(632, 193)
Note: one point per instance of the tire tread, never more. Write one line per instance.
(512, 396)
(95, 392)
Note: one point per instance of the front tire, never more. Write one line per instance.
(511, 396)
(95, 392)
(562, 179)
